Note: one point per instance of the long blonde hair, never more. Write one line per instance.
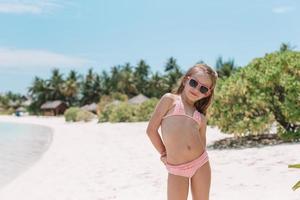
(202, 104)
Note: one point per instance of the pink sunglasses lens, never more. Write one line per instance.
(193, 83)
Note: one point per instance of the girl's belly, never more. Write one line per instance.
(183, 143)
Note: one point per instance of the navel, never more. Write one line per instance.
(188, 147)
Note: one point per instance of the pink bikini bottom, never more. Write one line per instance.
(190, 168)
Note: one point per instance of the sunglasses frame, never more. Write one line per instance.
(199, 84)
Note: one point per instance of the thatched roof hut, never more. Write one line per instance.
(138, 99)
(52, 108)
(90, 107)
(21, 109)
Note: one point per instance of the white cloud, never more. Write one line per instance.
(19, 8)
(29, 6)
(282, 9)
(35, 59)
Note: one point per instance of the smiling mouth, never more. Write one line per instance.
(193, 93)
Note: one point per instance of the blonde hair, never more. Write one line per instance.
(202, 104)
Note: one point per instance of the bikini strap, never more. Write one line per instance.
(180, 106)
(197, 116)
(177, 108)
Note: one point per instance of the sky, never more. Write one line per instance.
(39, 35)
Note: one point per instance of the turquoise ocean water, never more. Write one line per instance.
(21, 145)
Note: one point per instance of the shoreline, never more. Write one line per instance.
(90, 160)
(23, 150)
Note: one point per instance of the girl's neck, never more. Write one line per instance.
(186, 99)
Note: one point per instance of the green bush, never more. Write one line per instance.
(70, 113)
(84, 115)
(145, 109)
(119, 96)
(105, 112)
(259, 94)
(107, 99)
(124, 112)
(76, 114)
(288, 135)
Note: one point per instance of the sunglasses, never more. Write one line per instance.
(194, 83)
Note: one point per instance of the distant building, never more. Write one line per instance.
(90, 107)
(138, 99)
(53, 108)
(20, 111)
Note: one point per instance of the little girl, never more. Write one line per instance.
(181, 116)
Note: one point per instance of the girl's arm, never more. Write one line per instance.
(160, 110)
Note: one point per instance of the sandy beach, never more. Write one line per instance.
(91, 161)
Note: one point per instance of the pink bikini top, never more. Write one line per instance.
(179, 110)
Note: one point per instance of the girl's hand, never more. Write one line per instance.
(164, 159)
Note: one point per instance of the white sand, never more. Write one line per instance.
(90, 161)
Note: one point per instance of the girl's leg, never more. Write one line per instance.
(200, 182)
(178, 187)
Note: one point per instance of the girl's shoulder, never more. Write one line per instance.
(168, 99)
(170, 96)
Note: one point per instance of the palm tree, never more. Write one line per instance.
(70, 88)
(55, 84)
(87, 88)
(173, 73)
(115, 77)
(225, 69)
(105, 82)
(126, 84)
(286, 47)
(200, 62)
(97, 89)
(171, 64)
(157, 86)
(39, 92)
(141, 76)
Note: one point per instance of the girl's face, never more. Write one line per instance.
(194, 93)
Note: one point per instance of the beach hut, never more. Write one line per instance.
(90, 107)
(20, 111)
(138, 99)
(52, 108)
